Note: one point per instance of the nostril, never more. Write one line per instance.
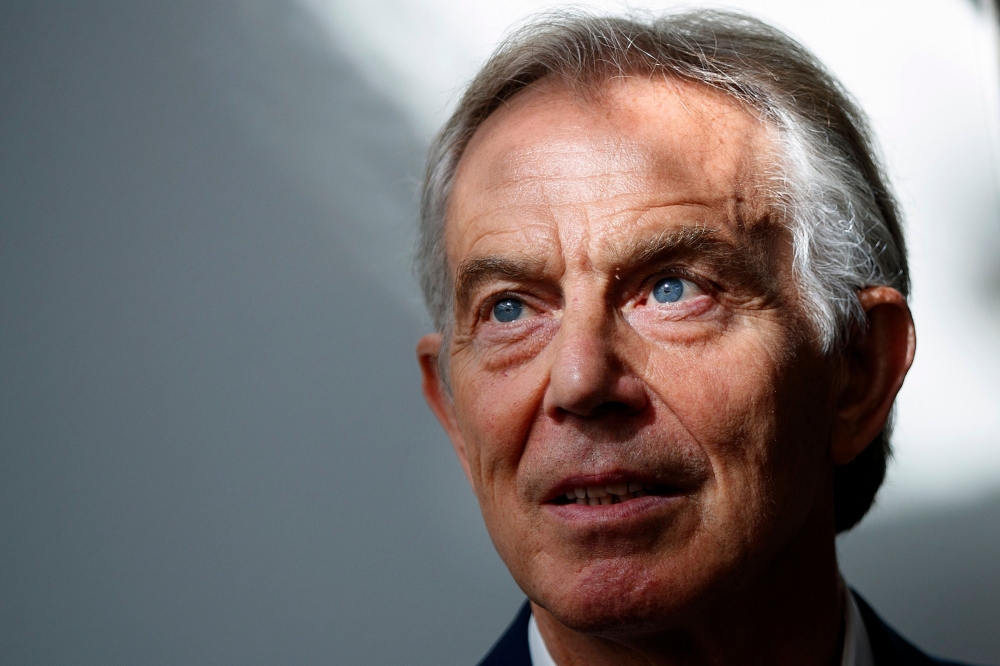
(613, 408)
(606, 410)
(588, 377)
(621, 396)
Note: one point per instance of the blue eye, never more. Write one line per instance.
(669, 290)
(508, 310)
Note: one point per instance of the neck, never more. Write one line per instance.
(792, 612)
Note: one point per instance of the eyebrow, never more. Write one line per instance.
(674, 243)
(473, 273)
(745, 262)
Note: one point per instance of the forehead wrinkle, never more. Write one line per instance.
(577, 247)
(536, 161)
(558, 175)
(530, 223)
(635, 220)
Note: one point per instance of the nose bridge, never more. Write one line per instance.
(587, 369)
(583, 341)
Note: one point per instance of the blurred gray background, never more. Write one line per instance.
(213, 447)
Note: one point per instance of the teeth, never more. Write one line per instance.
(612, 493)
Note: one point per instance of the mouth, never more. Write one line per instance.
(612, 493)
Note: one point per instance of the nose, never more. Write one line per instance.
(588, 377)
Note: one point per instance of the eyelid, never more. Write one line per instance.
(706, 286)
(486, 309)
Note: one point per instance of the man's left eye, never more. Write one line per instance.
(672, 290)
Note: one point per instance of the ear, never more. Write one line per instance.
(876, 364)
(437, 397)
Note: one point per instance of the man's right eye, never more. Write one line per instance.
(508, 310)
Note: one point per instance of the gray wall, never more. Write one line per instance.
(212, 444)
(935, 577)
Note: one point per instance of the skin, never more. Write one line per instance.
(575, 207)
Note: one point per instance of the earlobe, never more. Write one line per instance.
(876, 364)
(438, 398)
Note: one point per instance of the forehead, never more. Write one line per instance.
(553, 163)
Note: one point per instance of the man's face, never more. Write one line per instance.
(627, 328)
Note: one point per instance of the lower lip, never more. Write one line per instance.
(636, 509)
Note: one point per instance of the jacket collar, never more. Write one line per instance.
(888, 647)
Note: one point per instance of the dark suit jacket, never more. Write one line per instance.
(888, 647)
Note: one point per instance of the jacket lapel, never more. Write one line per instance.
(888, 647)
(512, 648)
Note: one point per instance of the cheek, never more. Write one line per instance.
(755, 415)
(496, 409)
(724, 396)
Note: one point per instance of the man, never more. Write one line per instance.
(669, 285)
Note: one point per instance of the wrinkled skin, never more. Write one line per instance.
(574, 209)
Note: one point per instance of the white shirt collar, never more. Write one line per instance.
(857, 649)
(536, 646)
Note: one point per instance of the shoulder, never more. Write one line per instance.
(888, 647)
(512, 648)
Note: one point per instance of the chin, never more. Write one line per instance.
(616, 597)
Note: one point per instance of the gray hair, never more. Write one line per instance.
(844, 220)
